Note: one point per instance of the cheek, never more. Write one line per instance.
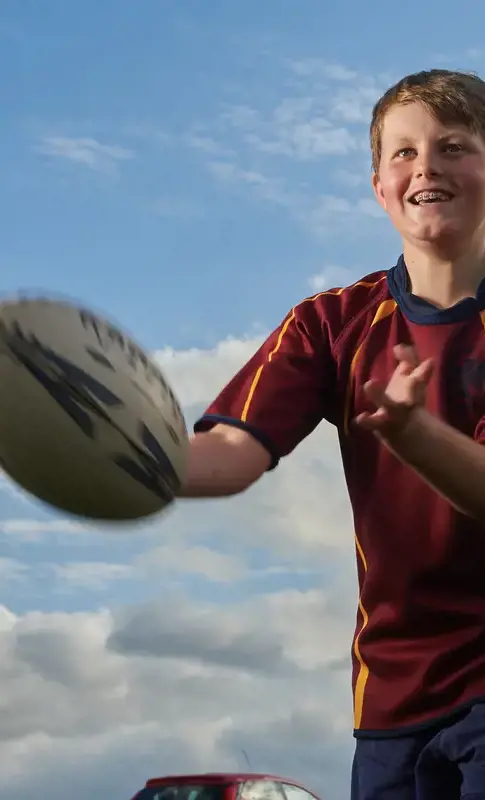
(476, 190)
(473, 182)
(393, 189)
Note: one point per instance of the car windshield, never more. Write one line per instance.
(182, 791)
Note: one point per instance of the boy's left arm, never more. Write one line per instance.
(451, 462)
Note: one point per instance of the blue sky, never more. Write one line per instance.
(193, 169)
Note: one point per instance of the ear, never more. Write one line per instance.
(377, 187)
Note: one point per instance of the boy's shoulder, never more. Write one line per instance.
(341, 305)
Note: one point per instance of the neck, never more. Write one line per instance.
(444, 280)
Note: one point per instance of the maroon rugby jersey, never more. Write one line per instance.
(419, 645)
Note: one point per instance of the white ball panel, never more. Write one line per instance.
(50, 454)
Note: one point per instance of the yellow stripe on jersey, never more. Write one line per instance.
(364, 669)
(284, 328)
(384, 310)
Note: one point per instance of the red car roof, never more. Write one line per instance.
(220, 777)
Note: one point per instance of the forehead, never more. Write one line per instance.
(413, 121)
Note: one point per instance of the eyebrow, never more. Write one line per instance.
(454, 133)
(445, 137)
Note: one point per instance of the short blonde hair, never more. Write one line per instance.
(452, 97)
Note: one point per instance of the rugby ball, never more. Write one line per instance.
(88, 422)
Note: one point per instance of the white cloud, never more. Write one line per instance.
(88, 697)
(267, 189)
(270, 149)
(306, 141)
(286, 511)
(316, 213)
(198, 375)
(27, 529)
(329, 204)
(296, 127)
(203, 561)
(103, 700)
(179, 560)
(350, 178)
(331, 277)
(307, 124)
(354, 105)
(207, 144)
(330, 215)
(9, 488)
(93, 575)
(370, 207)
(229, 171)
(269, 634)
(11, 569)
(86, 151)
(319, 68)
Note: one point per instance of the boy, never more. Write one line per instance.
(397, 363)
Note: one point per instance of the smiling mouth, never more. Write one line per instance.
(431, 196)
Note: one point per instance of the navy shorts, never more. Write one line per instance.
(446, 763)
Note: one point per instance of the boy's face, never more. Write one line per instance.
(445, 163)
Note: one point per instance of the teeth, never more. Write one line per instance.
(431, 197)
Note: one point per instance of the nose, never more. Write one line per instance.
(427, 164)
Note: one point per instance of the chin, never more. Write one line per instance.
(441, 233)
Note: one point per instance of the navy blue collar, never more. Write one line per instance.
(420, 311)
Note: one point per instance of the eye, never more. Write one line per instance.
(404, 152)
(453, 147)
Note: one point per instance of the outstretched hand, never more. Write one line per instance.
(396, 403)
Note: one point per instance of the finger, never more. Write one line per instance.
(373, 422)
(423, 371)
(406, 353)
(405, 368)
(376, 393)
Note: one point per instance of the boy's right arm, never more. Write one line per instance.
(262, 414)
(224, 461)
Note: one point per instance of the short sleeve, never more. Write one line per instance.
(285, 389)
